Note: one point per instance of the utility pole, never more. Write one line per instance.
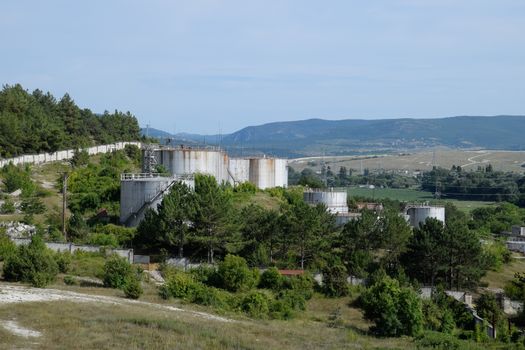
(64, 200)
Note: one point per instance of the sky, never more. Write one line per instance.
(210, 66)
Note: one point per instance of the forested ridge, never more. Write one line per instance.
(35, 122)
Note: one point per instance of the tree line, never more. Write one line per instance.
(37, 122)
(484, 184)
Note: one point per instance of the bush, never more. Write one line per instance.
(63, 261)
(70, 280)
(206, 274)
(116, 271)
(271, 279)
(7, 247)
(8, 207)
(32, 263)
(304, 285)
(438, 341)
(101, 239)
(395, 310)
(132, 288)
(334, 281)
(294, 299)
(280, 310)
(32, 206)
(178, 285)
(235, 274)
(256, 304)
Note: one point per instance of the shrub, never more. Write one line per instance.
(235, 274)
(280, 310)
(102, 239)
(132, 288)
(438, 341)
(395, 310)
(304, 285)
(178, 285)
(8, 207)
(70, 280)
(334, 281)
(205, 274)
(294, 299)
(116, 271)
(256, 304)
(32, 263)
(271, 279)
(210, 296)
(32, 206)
(63, 261)
(7, 247)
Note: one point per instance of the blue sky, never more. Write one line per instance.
(201, 65)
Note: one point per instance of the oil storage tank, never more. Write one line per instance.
(185, 160)
(239, 170)
(268, 172)
(335, 201)
(139, 192)
(418, 214)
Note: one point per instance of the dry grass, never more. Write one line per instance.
(500, 160)
(498, 279)
(67, 325)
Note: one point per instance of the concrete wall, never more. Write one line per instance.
(71, 247)
(64, 155)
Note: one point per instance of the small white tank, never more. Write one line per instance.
(335, 201)
(419, 214)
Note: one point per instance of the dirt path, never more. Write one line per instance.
(18, 294)
(473, 162)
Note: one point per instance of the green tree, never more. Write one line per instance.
(33, 263)
(425, 257)
(214, 226)
(487, 307)
(395, 310)
(357, 241)
(80, 157)
(170, 224)
(235, 274)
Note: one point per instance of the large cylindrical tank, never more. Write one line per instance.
(335, 201)
(139, 192)
(281, 172)
(183, 161)
(239, 170)
(419, 214)
(268, 172)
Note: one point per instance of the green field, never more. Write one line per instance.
(412, 195)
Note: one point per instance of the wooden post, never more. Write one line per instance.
(64, 202)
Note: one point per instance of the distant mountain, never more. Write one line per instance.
(318, 136)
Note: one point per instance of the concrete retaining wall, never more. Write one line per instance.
(64, 155)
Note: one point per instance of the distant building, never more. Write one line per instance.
(377, 207)
(518, 230)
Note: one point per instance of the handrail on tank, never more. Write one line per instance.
(138, 176)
